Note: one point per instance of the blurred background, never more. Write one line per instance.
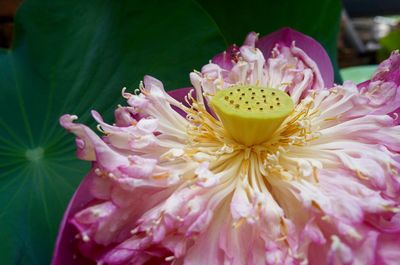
(369, 31)
(7, 12)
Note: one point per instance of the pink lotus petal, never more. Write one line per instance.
(224, 59)
(284, 37)
(389, 70)
(65, 250)
(387, 78)
(311, 47)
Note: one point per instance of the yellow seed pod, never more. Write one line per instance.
(251, 114)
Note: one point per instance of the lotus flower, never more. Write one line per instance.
(264, 161)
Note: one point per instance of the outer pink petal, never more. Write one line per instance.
(389, 70)
(65, 251)
(386, 81)
(285, 37)
(224, 59)
(311, 47)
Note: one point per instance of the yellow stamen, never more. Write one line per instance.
(161, 176)
(360, 175)
(238, 223)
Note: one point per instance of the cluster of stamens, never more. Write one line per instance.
(210, 135)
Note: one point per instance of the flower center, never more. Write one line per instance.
(251, 136)
(251, 114)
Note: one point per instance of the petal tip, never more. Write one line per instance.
(310, 46)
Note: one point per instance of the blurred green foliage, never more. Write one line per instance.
(388, 44)
(358, 74)
(70, 56)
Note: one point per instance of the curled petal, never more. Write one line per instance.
(311, 47)
(86, 139)
(226, 59)
(65, 249)
(206, 177)
(383, 90)
(139, 167)
(389, 70)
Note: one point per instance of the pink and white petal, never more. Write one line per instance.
(207, 249)
(383, 90)
(124, 116)
(389, 70)
(238, 242)
(317, 56)
(389, 223)
(388, 249)
(367, 252)
(86, 139)
(65, 250)
(130, 251)
(339, 253)
(241, 207)
(312, 234)
(226, 58)
(161, 107)
(291, 70)
(110, 221)
(92, 146)
(382, 97)
(100, 187)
